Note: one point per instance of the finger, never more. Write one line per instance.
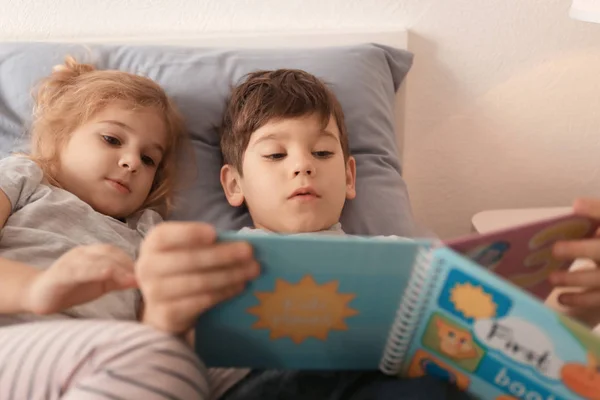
(116, 256)
(585, 279)
(224, 255)
(195, 305)
(83, 274)
(113, 278)
(185, 285)
(123, 279)
(126, 265)
(97, 263)
(589, 207)
(572, 249)
(586, 299)
(118, 280)
(228, 293)
(120, 267)
(178, 235)
(211, 299)
(176, 316)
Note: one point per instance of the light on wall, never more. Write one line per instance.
(586, 10)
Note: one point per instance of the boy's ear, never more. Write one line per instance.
(350, 178)
(230, 180)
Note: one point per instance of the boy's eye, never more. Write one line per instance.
(113, 141)
(322, 154)
(275, 156)
(148, 161)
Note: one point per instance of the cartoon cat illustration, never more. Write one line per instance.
(454, 342)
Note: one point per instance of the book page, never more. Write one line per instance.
(523, 254)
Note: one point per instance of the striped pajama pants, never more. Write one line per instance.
(97, 360)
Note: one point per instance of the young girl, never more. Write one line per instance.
(73, 215)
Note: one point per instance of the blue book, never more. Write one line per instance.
(405, 307)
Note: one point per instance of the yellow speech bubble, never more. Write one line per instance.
(473, 301)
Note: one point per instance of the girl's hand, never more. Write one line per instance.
(183, 272)
(81, 275)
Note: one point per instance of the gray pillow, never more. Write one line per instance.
(364, 77)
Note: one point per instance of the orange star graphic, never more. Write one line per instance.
(302, 310)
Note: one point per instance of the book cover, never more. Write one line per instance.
(494, 340)
(523, 254)
(317, 297)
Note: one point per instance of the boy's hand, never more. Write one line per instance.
(81, 275)
(182, 272)
(586, 281)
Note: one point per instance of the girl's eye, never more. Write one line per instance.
(323, 154)
(275, 156)
(113, 141)
(148, 161)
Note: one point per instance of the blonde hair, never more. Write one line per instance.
(74, 92)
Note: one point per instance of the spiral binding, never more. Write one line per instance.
(408, 314)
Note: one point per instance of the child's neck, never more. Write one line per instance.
(333, 229)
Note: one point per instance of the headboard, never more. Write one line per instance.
(397, 39)
(314, 38)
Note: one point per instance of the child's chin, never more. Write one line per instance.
(110, 209)
(304, 226)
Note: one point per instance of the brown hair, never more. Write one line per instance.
(74, 92)
(269, 95)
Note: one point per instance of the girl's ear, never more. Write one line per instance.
(230, 180)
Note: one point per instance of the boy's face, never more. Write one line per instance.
(294, 176)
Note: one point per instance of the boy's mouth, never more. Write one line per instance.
(305, 192)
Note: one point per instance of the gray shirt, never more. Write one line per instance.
(45, 222)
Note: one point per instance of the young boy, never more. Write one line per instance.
(286, 153)
(287, 158)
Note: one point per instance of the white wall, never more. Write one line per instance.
(503, 102)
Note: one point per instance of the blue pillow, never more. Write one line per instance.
(364, 77)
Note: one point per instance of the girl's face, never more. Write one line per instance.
(111, 160)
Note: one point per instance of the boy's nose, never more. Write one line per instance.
(306, 172)
(304, 168)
